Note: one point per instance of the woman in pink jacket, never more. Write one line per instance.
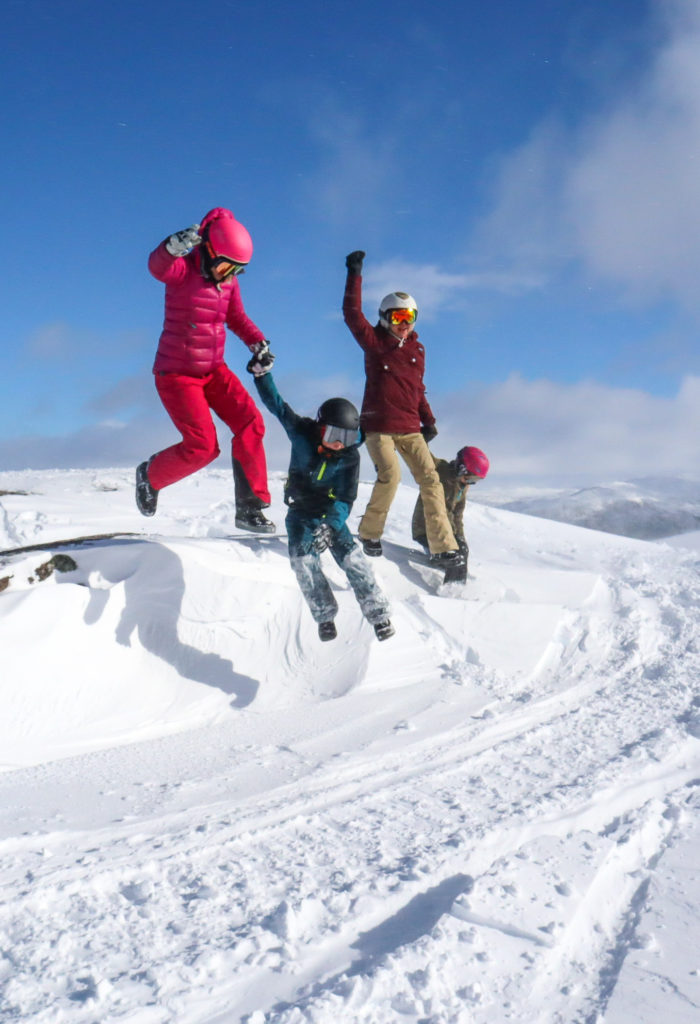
(199, 267)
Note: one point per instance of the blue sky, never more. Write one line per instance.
(529, 171)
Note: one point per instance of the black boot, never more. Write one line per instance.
(453, 563)
(248, 506)
(146, 496)
(248, 517)
(373, 548)
(327, 631)
(383, 630)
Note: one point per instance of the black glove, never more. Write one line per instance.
(323, 535)
(262, 360)
(354, 261)
(429, 431)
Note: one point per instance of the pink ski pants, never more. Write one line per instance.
(188, 401)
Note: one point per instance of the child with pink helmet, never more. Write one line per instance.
(199, 267)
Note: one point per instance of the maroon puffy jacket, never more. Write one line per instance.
(197, 312)
(394, 401)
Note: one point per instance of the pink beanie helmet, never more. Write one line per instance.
(226, 236)
(473, 462)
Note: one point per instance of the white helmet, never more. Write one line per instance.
(396, 300)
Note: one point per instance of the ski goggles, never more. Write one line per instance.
(224, 265)
(227, 267)
(401, 316)
(339, 436)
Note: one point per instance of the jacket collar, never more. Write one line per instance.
(393, 340)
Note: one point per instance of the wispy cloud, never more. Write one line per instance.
(52, 341)
(137, 391)
(58, 340)
(436, 290)
(531, 430)
(619, 194)
(536, 429)
(356, 167)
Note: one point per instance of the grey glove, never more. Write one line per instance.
(429, 431)
(323, 535)
(183, 242)
(353, 261)
(262, 360)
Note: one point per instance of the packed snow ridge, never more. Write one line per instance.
(209, 817)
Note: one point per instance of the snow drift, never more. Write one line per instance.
(209, 816)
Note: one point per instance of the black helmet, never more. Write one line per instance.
(339, 421)
(338, 412)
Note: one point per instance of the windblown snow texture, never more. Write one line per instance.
(208, 817)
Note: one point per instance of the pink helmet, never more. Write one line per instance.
(226, 236)
(472, 461)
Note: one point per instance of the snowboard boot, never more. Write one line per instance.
(384, 629)
(373, 548)
(327, 630)
(248, 505)
(146, 496)
(453, 564)
(250, 518)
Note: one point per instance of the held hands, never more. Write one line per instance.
(354, 261)
(183, 242)
(323, 536)
(262, 360)
(429, 431)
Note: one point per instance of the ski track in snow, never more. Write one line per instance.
(209, 817)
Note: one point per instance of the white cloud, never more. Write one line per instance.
(355, 168)
(436, 290)
(620, 194)
(531, 430)
(540, 429)
(52, 341)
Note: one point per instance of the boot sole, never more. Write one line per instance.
(256, 529)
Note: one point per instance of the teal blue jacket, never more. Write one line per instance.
(321, 484)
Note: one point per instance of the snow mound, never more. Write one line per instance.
(208, 816)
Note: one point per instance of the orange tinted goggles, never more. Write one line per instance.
(227, 267)
(223, 264)
(401, 316)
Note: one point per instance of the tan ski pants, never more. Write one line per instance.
(414, 451)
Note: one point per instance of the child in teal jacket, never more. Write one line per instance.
(321, 487)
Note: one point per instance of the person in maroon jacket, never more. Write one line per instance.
(199, 267)
(396, 416)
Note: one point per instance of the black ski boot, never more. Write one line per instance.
(327, 630)
(454, 565)
(383, 630)
(250, 518)
(248, 505)
(373, 548)
(146, 496)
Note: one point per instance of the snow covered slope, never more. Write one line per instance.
(208, 817)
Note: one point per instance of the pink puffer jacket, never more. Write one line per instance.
(197, 313)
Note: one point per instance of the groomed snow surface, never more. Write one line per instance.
(209, 817)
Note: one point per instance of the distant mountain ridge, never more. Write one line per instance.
(646, 509)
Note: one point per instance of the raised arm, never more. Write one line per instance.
(272, 400)
(165, 262)
(361, 328)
